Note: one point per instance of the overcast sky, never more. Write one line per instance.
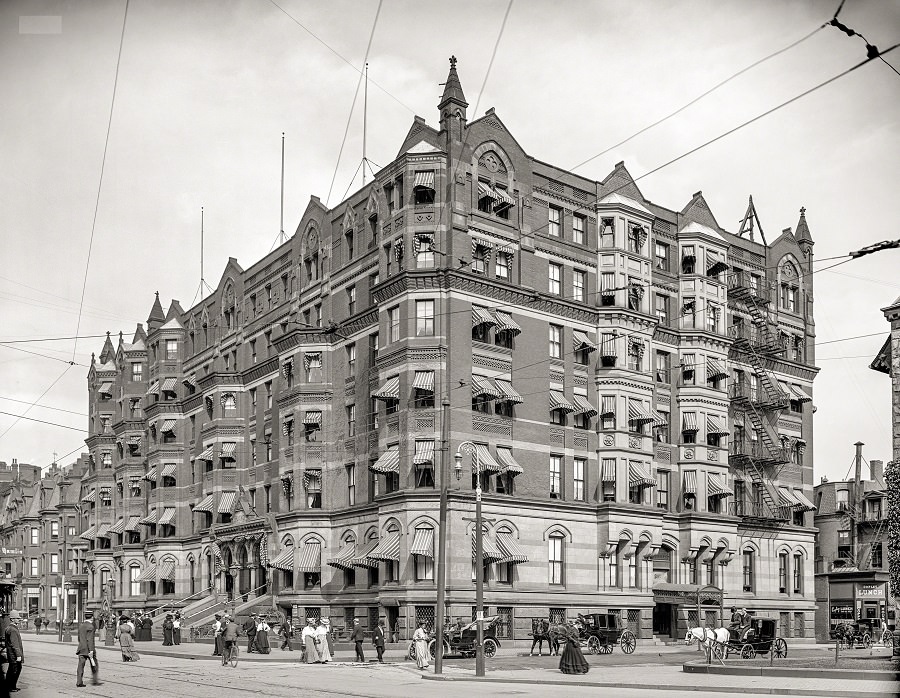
(205, 90)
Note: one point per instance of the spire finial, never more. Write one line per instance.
(803, 210)
(453, 62)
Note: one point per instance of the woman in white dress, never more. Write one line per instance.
(322, 643)
(420, 637)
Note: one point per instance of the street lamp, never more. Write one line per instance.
(469, 447)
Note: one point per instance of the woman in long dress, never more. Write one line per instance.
(310, 653)
(125, 633)
(572, 660)
(176, 629)
(420, 637)
(262, 637)
(168, 627)
(322, 643)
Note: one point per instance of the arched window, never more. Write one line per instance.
(422, 550)
(748, 568)
(134, 586)
(662, 565)
(556, 559)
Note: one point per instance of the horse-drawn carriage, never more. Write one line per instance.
(760, 636)
(852, 635)
(461, 639)
(601, 632)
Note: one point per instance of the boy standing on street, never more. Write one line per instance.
(86, 651)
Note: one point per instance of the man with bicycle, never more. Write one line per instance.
(229, 638)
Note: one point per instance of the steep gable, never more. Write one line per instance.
(620, 181)
(420, 132)
(698, 211)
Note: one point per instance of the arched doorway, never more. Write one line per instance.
(243, 571)
(229, 578)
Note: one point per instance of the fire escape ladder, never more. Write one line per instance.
(770, 499)
(866, 557)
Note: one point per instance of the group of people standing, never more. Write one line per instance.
(318, 642)
(172, 629)
(225, 629)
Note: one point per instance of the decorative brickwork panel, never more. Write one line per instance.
(350, 447)
(492, 363)
(579, 381)
(557, 615)
(662, 454)
(423, 424)
(558, 377)
(784, 624)
(490, 425)
(663, 400)
(558, 188)
(557, 437)
(581, 442)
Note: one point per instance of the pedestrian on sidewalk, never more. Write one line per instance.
(125, 636)
(249, 627)
(147, 628)
(329, 635)
(310, 653)
(420, 637)
(176, 629)
(396, 637)
(38, 622)
(229, 636)
(262, 636)
(217, 636)
(572, 660)
(322, 642)
(15, 655)
(286, 632)
(87, 651)
(378, 640)
(168, 626)
(358, 636)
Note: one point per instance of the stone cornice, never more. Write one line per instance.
(260, 370)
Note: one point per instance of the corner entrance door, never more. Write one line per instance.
(662, 619)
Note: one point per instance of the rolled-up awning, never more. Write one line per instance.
(582, 341)
(511, 550)
(423, 543)
(715, 426)
(490, 551)
(424, 380)
(486, 462)
(388, 462)
(639, 475)
(424, 179)
(637, 414)
(227, 502)
(310, 558)
(362, 555)
(716, 487)
(508, 462)
(166, 571)
(388, 549)
(168, 516)
(608, 472)
(482, 316)
(344, 559)
(507, 392)
(558, 401)
(582, 406)
(390, 390)
(689, 422)
(424, 454)
(715, 370)
(206, 504)
(506, 323)
(482, 387)
(147, 575)
(285, 560)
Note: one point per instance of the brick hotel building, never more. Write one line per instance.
(637, 381)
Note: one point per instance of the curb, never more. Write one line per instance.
(756, 690)
(797, 673)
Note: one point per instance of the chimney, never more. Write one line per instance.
(877, 470)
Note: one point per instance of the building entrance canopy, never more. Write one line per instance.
(688, 595)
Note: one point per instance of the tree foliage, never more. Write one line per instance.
(892, 479)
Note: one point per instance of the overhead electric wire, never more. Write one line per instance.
(43, 407)
(847, 339)
(38, 399)
(353, 103)
(65, 455)
(50, 339)
(44, 356)
(112, 105)
(33, 419)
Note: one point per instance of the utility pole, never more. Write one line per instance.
(857, 501)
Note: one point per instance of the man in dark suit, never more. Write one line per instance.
(14, 652)
(249, 627)
(357, 636)
(86, 651)
(378, 640)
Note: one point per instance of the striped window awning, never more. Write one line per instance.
(558, 401)
(486, 191)
(507, 392)
(312, 359)
(511, 550)
(582, 406)
(134, 440)
(716, 487)
(787, 499)
(168, 516)
(714, 264)
(166, 571)
(207, 454)
(153, 389)
(228, 448)
(118, 526)
(483, 247)
(344, 559)
(482, 387)
(103, 531)
(424, 380)
(89, 534)
(582, 341)
(639, 475)
(151, 474)
(285, 560)
(312, 418)
(482, 316)
(715, 370)
(312, 479)
(388, 462)
(148, 575)
(424, 454)
(608, 406)
(658, 419)
(489, 550)
(227, 502)
(486, 462)
(150, 519)
(607, 282)
(805, 503)
(310, 558)
(190, 381)
(715, 426)
(388, 549)
(799, 394)
(637, 414)
(608, 472)
(608, 346)
(424, 179)
(503, 197)
(362, 555)
(689, 422)
(105, 388)
(207, 504)
(423, 239)
(133, 523)
(389, 391)
(506, 323)
(168, 385)
(168, 425)
(423, 543)
(689, 486)
(169, 470)
(287, 424)
(90, 497)
(508, 462)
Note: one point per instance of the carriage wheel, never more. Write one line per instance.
(412, 652)
(867, 641)
(593, 644)
(887, 640)
(490, 647)
(779, 648)
(628, 642)
(747, 652)
(606, 649)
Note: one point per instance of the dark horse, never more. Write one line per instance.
(541, 630)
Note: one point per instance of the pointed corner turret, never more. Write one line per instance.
(139, 334)
(108, 352)
(157, 316)
(453, 102)
(175, 311)
(803, 236)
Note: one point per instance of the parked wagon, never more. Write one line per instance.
(760, 637)
(461, 640)
(853, 635)
(601, 632)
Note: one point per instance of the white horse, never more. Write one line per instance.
(709, 637)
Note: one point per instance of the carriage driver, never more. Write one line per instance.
(738, 618)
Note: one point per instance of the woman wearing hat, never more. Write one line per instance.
(125, 635)
(168, 627)
(262, 636)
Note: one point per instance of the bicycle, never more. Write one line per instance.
(230, 655)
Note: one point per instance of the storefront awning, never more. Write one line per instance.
(423, 543)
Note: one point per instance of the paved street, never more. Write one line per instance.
(50, 671)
